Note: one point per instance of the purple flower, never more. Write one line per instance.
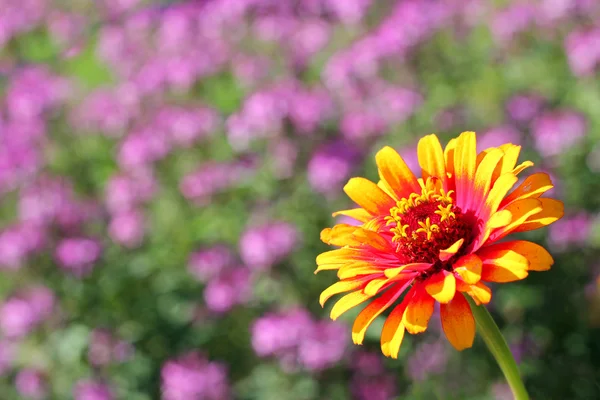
(428, 358)
(409, 155)
(174, 31)
(358, 126)
(127, 228)
(299, 341)
(66, 28)
(367, 363)
(512, 20)
(41, 300)
(208, 263)
(330, 167)
(396, 104)
(92, 390)
(308, 108)
(261, 117)
(570, 231)
(324, 346)
(307, 39)
(141, 148)
(19, 241)
(107, 111)
(116, 8)
(192, 377)
(77, 255)
(52, 201)
(498, 136)
(277, 334)
(19, 159)
(20, 17)
(231, 288)
(283, 157)
(17, 318)
(583, 51)
(554, 132)
(184, 127)
(31, 384)
(22, 313)
(552, 12)
(524, 108)
(348, 12)
(124, 192)
(381, 387)
(407, 24)
(263, 246)
(32, 91)
(212, 178)
(250, 69)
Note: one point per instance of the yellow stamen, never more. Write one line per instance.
(431, 192)
(427, 227)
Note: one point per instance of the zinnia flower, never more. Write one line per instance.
(437, 238)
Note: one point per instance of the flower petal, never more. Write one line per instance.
(465, 160)
(393, 272)
(340, 287)
(449, 157)
(483, 178)
(431, 159)
(441, 286)
(352, 270)
(502, 264)
(533, 186)
(448, 253)
(418, 311)
(375, 285)
(393, 332)
(339, 235)
(521, 167)
(499, 219)
(499, 190)
(373, 239)
(369, 196)
(522, 211)
(394, 171)
(552, 210)
(481, 293)
(334, 259)
(469, 268)
(359, 214)
(372, 311)
(458, 322)
(347, 302)
(508, 162)
(538, 258)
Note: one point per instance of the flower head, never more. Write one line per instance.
(436, 238)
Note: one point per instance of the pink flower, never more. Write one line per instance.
(77, 255)
(127, 228)
(263, 246)
(192, 377)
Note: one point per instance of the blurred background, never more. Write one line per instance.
(166, 168)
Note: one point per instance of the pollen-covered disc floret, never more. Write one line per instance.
(426, 223)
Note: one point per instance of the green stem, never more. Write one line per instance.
(497, 345)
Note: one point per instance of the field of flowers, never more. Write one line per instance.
(166, 169)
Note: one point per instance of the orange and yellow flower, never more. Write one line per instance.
(436, 238)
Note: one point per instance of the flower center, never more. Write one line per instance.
(423, 224)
